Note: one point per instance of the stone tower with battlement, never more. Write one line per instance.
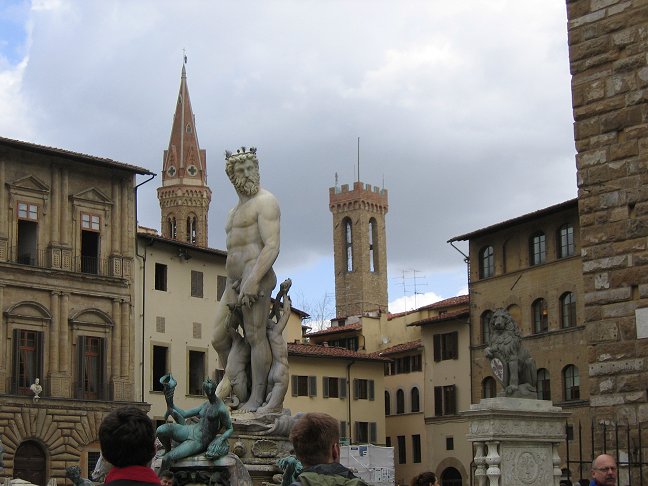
(608, 50)
(359, 249)
(184, 196)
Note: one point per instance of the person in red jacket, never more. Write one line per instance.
(127, 439)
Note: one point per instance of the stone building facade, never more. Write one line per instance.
(608, 50)
(67, 234)
(359, 248)
(531, 266)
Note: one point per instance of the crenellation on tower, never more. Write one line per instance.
(359, 247)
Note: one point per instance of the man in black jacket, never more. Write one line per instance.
(127, 439)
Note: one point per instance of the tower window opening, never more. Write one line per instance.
(349, 244)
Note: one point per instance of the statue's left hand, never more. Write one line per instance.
(219, 447)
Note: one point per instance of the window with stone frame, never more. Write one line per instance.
(348, 243)
(486, 262)
(161, 277)
(27, 234)
(160, 366)
(91, 364)
(567, 310)
(543, 384)
(540, 316)
(402, 451)
(196, 284)
(416, 448)
(537, 248)
(387, 403)
(366, 432)
(27, 360)
(484, 320)
(196, 371)
(571, 383)
(565, 241)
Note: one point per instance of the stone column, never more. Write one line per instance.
(64, 349)
(65, 215)
(54, 333)
(125, 339)
(125, 219)
(116, 339)
(115, 227)
(3, 341)
(4, 236)
(521, 437)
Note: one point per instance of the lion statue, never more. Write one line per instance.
(513, 365)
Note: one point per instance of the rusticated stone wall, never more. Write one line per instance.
(608, 47)
(66, 430)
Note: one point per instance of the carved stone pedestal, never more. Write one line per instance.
(516, 441)
(200, 471)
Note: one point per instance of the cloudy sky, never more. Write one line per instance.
(463, 110)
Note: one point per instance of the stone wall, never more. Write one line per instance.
(65, 429)
(608, 46)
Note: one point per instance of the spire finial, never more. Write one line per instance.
(184, 55)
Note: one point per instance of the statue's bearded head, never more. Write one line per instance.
(243, 171)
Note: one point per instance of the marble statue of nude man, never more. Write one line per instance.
(252, 239)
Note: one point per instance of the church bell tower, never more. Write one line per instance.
(184, 196)
(359, 249)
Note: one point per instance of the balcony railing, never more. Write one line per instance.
(43, 259)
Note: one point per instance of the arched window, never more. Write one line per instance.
(543, 385)
(486, 262)
(172, 228)
(571, 383)
(416, 407)
(485, 326)
(567, 310)
(387, 403)
(373, 245)
(537, 249)
(191, 229)
(540, 316)
(400, 401)
(565, 241)
(348, 244)
(489, 387)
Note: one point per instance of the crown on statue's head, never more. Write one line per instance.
(241, 153)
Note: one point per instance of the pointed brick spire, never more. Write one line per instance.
(184, 196)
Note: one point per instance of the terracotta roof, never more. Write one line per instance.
(448, 316)
(317, 351)
(458, 300)
(402, 347)
(79, 157)
(155, 237)
(336, 329)
(520, 219)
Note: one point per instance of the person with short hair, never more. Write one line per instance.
(127, 438)
(166, 478)
(604, 471)
(427, 478)
(316, 440)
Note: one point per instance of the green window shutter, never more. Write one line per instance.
(355, 388)
(312, 386)
(371, 389)
(325, 386)
(293, 380)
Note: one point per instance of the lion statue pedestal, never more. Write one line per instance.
(516, 441)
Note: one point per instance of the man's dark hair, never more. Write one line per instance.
(424, 479)
(312, 437)
(167, 474)
(127, 437)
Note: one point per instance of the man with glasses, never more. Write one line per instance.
(604, 471)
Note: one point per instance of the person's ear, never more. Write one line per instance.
(335, 452)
